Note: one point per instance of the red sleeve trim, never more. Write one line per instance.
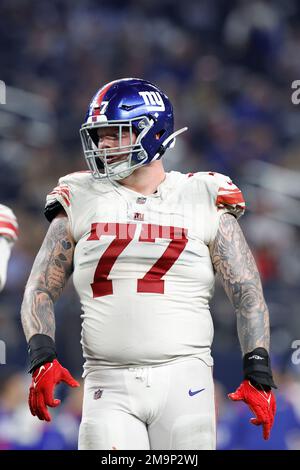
(8, 225)
(230, 197)
(62, 191)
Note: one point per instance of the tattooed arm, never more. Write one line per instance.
(233, 261)
(235, 265)
(50, 272)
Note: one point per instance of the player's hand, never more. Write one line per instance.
(41, 392)
(261, 402)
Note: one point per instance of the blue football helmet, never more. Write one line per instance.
(134, 105)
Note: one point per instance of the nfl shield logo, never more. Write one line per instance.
(98, 394)
(138, 216)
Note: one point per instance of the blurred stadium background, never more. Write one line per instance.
(228, 69)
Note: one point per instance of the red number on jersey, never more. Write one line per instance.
(124, 233)
(152, 281)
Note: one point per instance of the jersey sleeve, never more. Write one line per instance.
(229, 197)
(59, 198)
(221, 196)
(69, 195)
(5, 249)
(8, 224)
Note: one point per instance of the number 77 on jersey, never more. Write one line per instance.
(152, 281)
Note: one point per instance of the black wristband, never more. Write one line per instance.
(41, 349)
(257, 367)
(52, 210)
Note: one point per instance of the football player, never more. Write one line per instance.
(8, 235)
(144, 246)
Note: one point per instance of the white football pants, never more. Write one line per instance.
(166, 407)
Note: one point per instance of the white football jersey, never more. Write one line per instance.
(142, 266)
(8, 235)
(8, 224)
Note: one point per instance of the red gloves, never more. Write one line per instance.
(41, 390)
(262, 404)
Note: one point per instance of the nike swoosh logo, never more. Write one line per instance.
(191, 393)
(41, 369)
(265, 395)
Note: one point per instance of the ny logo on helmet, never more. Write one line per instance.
(153, 100)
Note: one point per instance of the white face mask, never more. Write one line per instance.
(135, 154)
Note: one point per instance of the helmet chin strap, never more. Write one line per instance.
(122, 173)
(171, 137)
